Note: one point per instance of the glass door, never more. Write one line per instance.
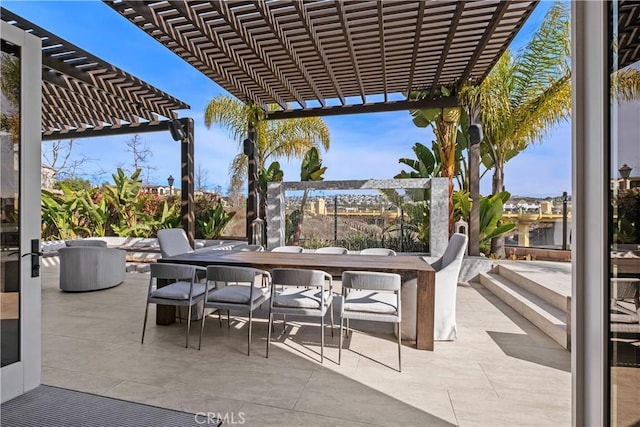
(623, 289)
(20, 309)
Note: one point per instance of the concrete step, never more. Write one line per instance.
(551, 296)
(548, 318)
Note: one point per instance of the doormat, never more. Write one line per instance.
(59, 407)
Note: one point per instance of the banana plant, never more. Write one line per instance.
(126, 205)
(218, 219)
(97, 212)
(271, 174)
(311, 170)
(57, 213)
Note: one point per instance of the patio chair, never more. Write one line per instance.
(378, 251)
(289, 249)
(182, 291)
(235, 290)
(447, 271)
(91, 266)
(313, 301)
(332, 250)
(371, 296)
(173, 241)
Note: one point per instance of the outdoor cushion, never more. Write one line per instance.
(237, 294)
(300, 298)
(178, 290)
(371, 302)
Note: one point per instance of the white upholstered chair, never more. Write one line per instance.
(288, 249)
(332, 250)
(447, 272)
(378, 251)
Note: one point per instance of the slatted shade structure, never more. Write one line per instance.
(82, 94)
(629, 33)
(316, 57)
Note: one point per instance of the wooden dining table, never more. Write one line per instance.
(407, 266)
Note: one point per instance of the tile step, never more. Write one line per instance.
(548, 318)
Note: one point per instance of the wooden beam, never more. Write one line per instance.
(383, 55)
(501, 8)
(416, 46)
(108, 131)
(447, 44)
(344, 24)
(195, 55)
(263, 8)
(317, 46)
(222, 7)
(214, 38)
(379, 107)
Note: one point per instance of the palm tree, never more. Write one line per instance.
(523, 96)
(276, 139)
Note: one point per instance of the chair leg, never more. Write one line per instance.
(202, 327)
(321, 339)
(249, 338)
(220, 317)
(269, 332)
(228, 319)
(340, 345)
(144, 325)
(331, 316)
(284, 322)
(399, 348)
(188, 326)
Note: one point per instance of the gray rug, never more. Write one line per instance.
(48, 406)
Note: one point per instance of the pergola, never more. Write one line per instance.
(85, 96)
(329, 57)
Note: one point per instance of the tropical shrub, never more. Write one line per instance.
(215, 222)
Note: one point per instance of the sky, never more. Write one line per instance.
(362, 146)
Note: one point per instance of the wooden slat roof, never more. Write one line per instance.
(318, 53)
(628, 32)
(81, 91)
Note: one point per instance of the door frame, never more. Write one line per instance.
(24, 375)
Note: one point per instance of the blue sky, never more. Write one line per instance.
(362, 146)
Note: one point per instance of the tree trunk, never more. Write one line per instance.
(298, 232)
(497, 243)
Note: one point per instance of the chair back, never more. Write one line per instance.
(298, 277)
(332, 250)
(378, 251)
(370, 280)
(228, 274)
(173, 241)
(289, 249)
(177, 272)
(455, 249)
(251, 248)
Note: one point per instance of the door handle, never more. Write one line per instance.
(32, 254)
(35, 257)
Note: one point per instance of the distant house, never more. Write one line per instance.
(47, 177)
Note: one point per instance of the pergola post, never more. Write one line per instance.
(252, 170)
(187, 168)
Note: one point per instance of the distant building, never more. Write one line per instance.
(47, 177)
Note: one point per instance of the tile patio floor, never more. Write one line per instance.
(502, 371)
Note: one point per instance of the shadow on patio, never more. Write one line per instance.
(91, 343)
